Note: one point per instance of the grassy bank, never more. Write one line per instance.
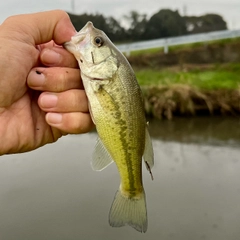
(191, 89)
(225, 76)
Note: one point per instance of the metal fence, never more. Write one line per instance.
(173, 41)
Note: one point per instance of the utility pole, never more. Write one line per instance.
(184, 10)
(73, 6)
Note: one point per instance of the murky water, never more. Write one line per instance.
(53, 194)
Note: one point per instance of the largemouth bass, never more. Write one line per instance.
(116, 107)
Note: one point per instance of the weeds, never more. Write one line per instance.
(178, 99)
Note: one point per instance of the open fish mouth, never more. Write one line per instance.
(80, 38)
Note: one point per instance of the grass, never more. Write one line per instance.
(146, 51)
(218, 77)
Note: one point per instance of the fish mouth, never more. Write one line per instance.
(79, 38)
(69, 46)
(76, 39)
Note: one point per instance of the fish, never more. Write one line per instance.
(116, 106)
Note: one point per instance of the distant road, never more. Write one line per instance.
(173, 41)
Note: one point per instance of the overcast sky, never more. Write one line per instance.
(228, 9)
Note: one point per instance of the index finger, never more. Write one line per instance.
(54, 79)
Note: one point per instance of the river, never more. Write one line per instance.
(53, 194)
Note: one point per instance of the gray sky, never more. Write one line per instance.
(228, 9)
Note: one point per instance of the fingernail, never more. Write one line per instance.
(36, 78)
(50, 57)
(54, 118)
(48, 100)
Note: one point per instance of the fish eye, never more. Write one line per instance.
(98, 41)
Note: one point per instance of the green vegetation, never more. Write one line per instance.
(217, 77)
(202, 89)
(147, 51)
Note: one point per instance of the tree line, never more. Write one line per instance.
(164, 23)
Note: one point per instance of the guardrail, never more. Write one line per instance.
(173, 41)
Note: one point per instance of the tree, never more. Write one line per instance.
(205, 23)
(165, 23)
(115, 31)
(137, 23)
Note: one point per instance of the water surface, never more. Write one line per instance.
(52, 193)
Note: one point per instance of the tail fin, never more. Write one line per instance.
(129, 211)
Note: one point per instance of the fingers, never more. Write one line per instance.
(57, 56)
(63, 98)
(54, 79)
(74, 123)
(67, 111)
(63, 73)
(74, 100)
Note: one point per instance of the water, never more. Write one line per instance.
(53, 194)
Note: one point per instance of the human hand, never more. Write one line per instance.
(56, 103)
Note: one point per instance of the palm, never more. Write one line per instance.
(27, 127)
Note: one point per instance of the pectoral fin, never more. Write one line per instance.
(148, 155)
(101, 157)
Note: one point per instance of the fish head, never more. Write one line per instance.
(94, 51)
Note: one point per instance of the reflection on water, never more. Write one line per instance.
(52, 193)
(204, 130)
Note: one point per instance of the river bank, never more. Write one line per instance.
(202, 79)
(184, 100)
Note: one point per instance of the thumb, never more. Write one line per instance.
(38, 28)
